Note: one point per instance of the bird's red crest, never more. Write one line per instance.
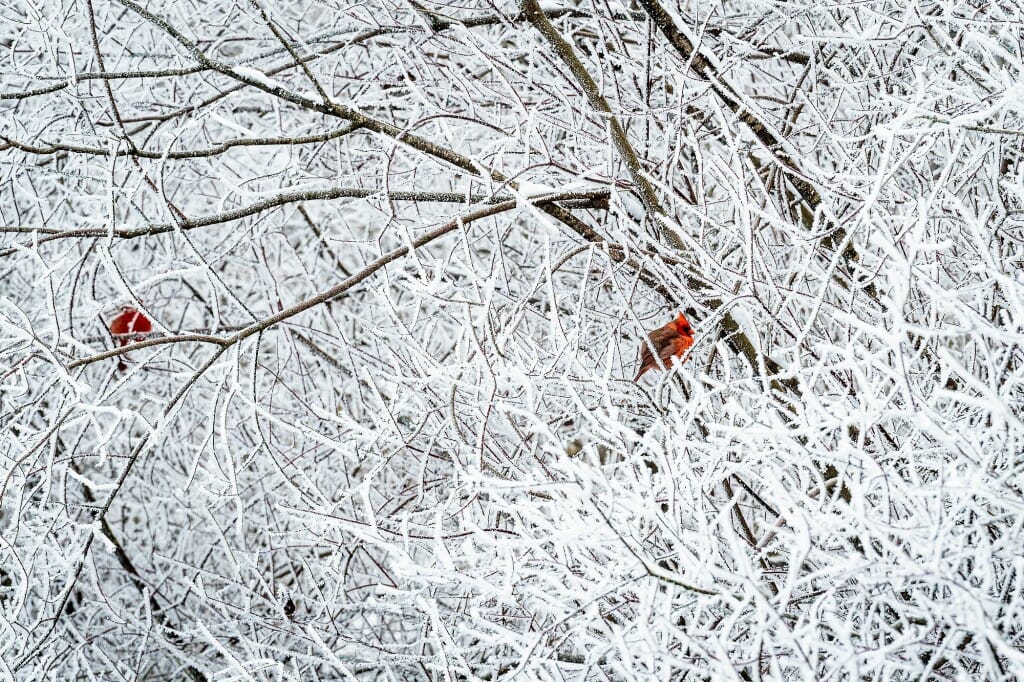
(683, 325)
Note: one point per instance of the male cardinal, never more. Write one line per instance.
(128, 323)
(671, 341)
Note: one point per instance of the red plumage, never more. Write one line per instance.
(130, 325)
(129, 321)
(670, 341)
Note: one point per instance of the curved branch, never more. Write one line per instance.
(591, 199)
(324, 296)
(537, 17)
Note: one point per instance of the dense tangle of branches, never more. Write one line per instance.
(399, 258)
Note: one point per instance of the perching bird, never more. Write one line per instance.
(128, 326)
(671, 341)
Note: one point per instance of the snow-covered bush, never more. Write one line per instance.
(399, 258)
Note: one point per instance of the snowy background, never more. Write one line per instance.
(400, 257)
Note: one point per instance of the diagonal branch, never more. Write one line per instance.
(100, 518)
(737, 338)
(329, 294)
(535, 15)
(594, 199)
(835, 237)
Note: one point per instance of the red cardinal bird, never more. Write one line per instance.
(130, 321)
(671, 341)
